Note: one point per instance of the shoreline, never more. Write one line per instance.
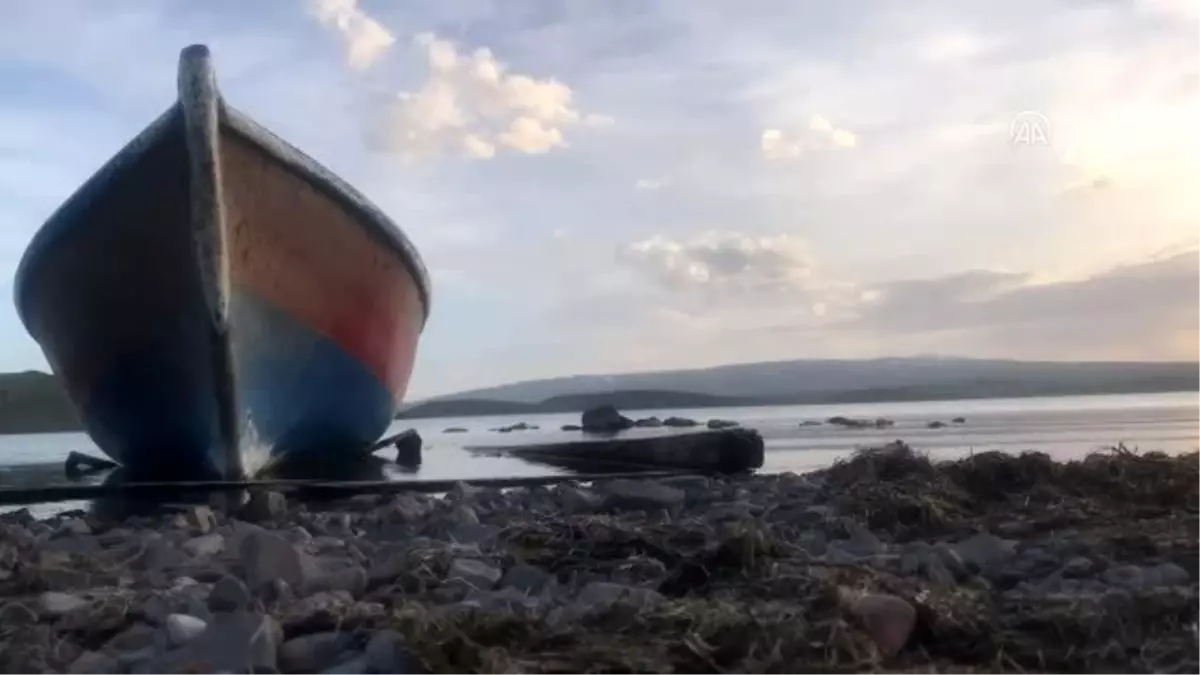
(885, 561)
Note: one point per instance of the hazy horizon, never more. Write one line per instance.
(616, 187)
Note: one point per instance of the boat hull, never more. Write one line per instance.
(220, 308)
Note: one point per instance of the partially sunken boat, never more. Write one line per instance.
(217, 304)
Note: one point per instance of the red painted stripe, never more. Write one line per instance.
(294, 247)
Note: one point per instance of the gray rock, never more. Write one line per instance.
(528, 579)
(183, 628)
(265, 506)
(162, 556)
(353, 665)
(577, 500)
(228, 595)
(387, 652)
(351, 578)
(136, 638)
(986, 552)
(862, 542)
(813, 542)
(405, 509)
(239, 642)
(200, 518)
(1125, 576)
(205, 546)
(94, 662)
(599, 596)
(508, 600)
(267, 556)
(77, 527)
(313, 652)
(1168, 574)
(889, 620)
(648, 422)
(57, 604)
(679, 422)
(936, 571)
(1077, 567)
(640, 495)
(474, 573)
(721, 424)
(1135, 577)
(473, 534)
(463, 515)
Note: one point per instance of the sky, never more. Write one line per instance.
(619, 185)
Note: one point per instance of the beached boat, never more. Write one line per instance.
(217, 303)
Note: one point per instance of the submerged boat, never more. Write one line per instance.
(217, 304)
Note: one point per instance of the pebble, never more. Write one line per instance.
(228, 594)
(265, 506)
(387, 652)
(474, 573)
(313, 652)
(889, 620)
(58, 604)
(640, 495)
(183, 590)
(205, 546)
(267, 556)
(183, 628)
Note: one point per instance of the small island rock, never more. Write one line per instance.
(605, 418)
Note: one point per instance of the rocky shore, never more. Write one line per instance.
(886, 561)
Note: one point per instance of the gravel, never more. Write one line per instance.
(884, 562)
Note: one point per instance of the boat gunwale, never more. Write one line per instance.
(299, 163)
(368, 215)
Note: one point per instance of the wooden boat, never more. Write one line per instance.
(218, 304)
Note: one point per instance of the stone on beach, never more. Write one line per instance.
(885, 561)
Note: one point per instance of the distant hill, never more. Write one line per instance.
(32, 402)
(818, 381)
(627, 400)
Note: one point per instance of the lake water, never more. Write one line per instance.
(1064, 427)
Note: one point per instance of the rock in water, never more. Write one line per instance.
(721, 424)
(408, 448)
(679, 422)
(648, 422)
(605, 418)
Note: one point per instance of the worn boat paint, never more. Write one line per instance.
(217, 304)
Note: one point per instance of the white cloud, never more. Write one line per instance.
(723, 260)
(952, 46)
(366, 39)
(820, 135)
(650, 184)
(473, 105)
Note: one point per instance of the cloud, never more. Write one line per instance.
(472, 105)
(820, 135)
(365, 38)
(650, 184)
(1147, 309)
(730, 261)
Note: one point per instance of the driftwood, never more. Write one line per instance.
(715, 451)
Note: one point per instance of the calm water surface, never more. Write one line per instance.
(1064, 427)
